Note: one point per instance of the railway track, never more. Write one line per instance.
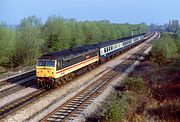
(20, 102)
(16, 88)
(13, 85)
(17, 78)
(74, 107)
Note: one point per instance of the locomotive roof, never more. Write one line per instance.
(111, 42)
(68, 53)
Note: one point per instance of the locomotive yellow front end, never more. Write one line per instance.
(45, 72)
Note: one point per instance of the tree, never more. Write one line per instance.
(92, 32)
(77, 37)
(7, 40)
(173, 26)
(29, 41)
(56, 34)
(24, 44)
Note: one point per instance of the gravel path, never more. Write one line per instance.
(48, 103)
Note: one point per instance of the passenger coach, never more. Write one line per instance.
(112, 48)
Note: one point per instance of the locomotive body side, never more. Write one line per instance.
(75, 63)
(59, 66)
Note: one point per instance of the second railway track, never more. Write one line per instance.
(17, 78)
(15, 88)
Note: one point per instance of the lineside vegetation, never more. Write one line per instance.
(21, 46)
(165, 48)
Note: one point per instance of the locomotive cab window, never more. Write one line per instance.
(45, 63)
(50, 63)
(41, 63)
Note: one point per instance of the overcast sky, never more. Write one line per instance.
(118, 11)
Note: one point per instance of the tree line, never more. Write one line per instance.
(173, 26)
(31, 38)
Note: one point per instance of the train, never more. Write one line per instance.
(56, 68)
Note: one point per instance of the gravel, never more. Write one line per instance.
(16, 95)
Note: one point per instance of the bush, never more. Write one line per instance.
(114, 112)
(116, 108)
(122, 103)
(163, 49)
(135, 84)
(177, 42)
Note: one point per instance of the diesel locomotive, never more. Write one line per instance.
(57, 68)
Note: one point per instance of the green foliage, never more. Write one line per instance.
(29, 41)
(114, 111)
(177, 43)
(60, 33)
(7, 43)
(163, 49)
(21, 46)
(56, 34)
(120, 105)
(135, 83)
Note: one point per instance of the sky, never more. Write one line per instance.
(117, 11)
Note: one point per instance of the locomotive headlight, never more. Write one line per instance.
(37, 71)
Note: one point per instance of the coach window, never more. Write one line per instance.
(105, 50)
